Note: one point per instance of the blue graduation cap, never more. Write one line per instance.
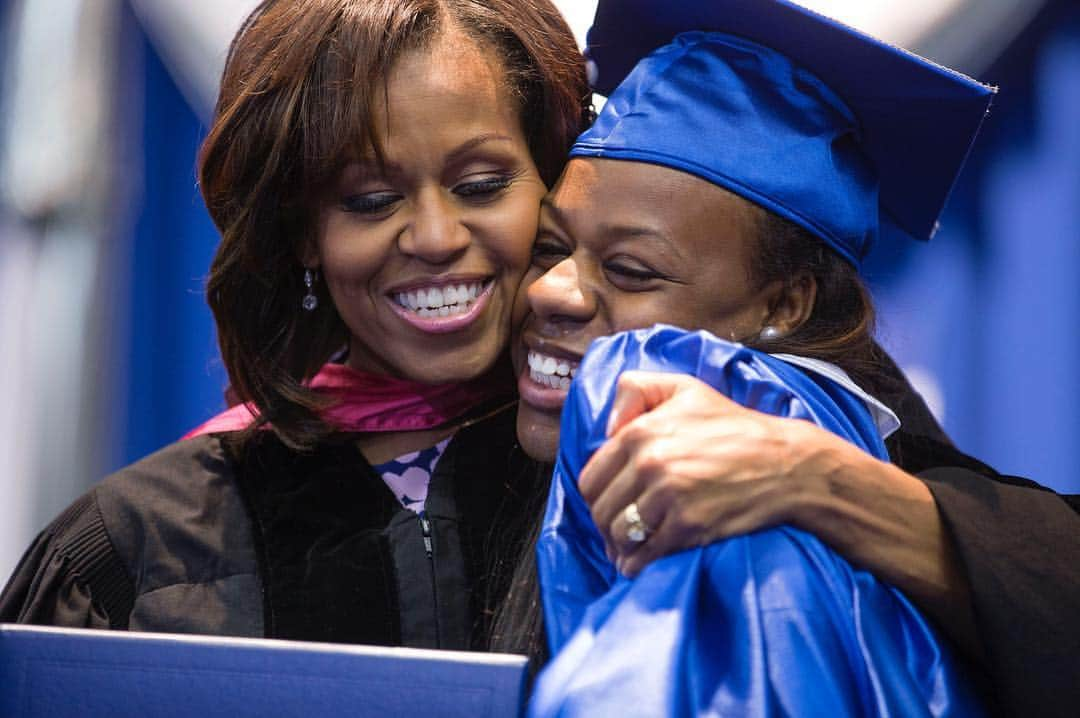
(817, 122)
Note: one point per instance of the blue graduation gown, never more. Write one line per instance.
(768, 624)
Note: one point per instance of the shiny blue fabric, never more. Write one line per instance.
(786, 108)
(769, 624)
(743, 117)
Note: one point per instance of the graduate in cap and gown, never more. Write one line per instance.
(839, 135)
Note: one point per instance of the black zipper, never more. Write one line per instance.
(425, 530)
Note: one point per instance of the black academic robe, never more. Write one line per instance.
(204, 537)
(1019, 547)
(199, 539)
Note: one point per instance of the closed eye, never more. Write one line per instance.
(371, 203)
(484, 189)
(634, 276)
(547, 252)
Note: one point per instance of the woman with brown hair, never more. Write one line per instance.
(374, 168)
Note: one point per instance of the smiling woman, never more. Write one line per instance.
(625, 245)
(375, 169)
(423, 245)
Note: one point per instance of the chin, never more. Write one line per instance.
(448, 369)
(538, 434)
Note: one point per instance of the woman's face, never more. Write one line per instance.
(423, 254)
(625, 245)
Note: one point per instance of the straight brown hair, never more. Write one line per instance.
(295, 102)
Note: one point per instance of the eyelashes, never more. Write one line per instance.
(626, 273)
(483, 188)
(377, 204)
(371, 203)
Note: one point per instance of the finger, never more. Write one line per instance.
(653, 507)
(601, 468)
(621, 543)
(638, 392)
(657, 546)
(668, 537)
(703, 521)
(620, 492)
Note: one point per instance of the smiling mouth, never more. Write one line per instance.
(442, 301)
(552, 372)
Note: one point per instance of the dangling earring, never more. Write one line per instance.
(310, 301)
(770, 333)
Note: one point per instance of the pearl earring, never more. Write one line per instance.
(310, 301)
(770, 333)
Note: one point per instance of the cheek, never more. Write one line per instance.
(348, 259)
(644, 309)
(514, 232)
(722, 310)
(521, 299)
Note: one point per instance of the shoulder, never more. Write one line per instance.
(176, 515)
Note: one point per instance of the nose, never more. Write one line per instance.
(436, 233)
(561, 295)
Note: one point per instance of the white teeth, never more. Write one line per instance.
(432, 302)
(551, 372)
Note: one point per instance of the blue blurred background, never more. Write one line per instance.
(107, 348)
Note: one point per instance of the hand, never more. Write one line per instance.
(699, 466)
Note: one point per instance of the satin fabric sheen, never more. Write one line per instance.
(768, 624)
(375, 402)
(790, 144)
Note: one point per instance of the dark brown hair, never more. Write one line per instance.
(840, 328)
(295, 101)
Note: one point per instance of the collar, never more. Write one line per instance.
(366, 402)
(885, 418)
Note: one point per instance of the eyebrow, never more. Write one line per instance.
(471, 144)
(620, 231)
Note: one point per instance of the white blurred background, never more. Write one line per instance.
(106, 345)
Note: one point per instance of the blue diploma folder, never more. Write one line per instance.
(84, 673)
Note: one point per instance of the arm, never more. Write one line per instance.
(703, 468)
(774, 609)
(1019, 546)
(991, 558)
(70, 576)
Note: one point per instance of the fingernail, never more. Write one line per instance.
(619, 563)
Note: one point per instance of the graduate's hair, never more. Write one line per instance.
(296, 101)
(840, 328)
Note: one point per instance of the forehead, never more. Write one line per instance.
(450, 81)
(451, 62)
(696, 215)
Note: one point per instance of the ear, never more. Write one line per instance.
(791, 303)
